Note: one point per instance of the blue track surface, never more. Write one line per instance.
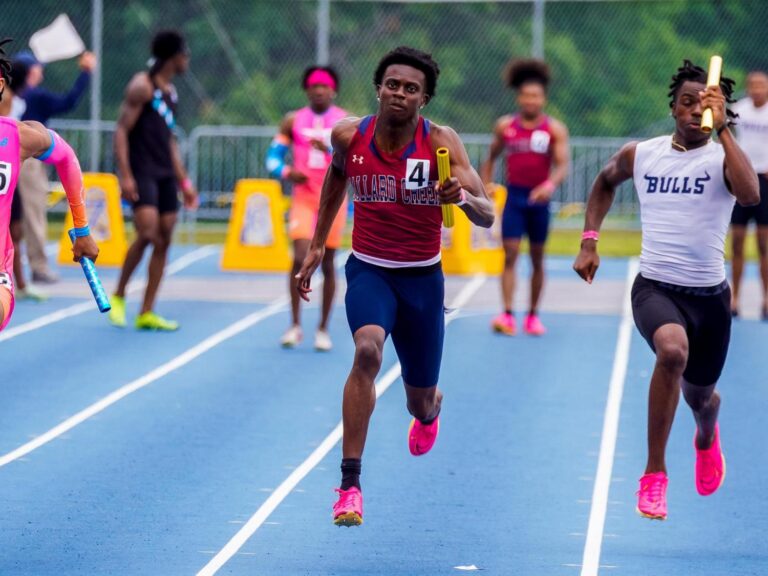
(160, 481)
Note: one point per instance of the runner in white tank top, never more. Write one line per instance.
(687, 186)
(752, 134)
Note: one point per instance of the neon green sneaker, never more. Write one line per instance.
(151, 321)
(31, 292)
(117, 314)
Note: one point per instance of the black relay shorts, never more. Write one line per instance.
(17, 211)
(759, 213)
(162, 193)
(704, 313)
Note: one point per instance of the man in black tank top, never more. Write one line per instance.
(151, 172)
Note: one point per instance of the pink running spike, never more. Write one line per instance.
(652, 496)
(710, 466)
(504, 324)
(533, 326)
(348, 510)
(421, 437)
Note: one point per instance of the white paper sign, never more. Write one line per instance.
(59, 41)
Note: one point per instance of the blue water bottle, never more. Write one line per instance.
(89, 269)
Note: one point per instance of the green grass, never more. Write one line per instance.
(562, 242)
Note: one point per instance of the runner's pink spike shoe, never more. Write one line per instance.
(504, 324)
(421, 437)
(348, 510)
(533, 326)
(710, 466)
(652, 496)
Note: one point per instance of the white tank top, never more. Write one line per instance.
(752, 132)
(685, 209)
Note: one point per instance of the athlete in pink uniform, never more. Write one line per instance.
(309, 130)
(19, 141)
(394, 278)
(536, 146)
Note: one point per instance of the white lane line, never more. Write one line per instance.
(159, 372)
(591, 559)
(76, 309)
(281, 492)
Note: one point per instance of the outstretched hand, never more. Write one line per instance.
(303, 279)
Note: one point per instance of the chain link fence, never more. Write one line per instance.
(611, 62)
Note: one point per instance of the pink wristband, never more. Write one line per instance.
(186, 184)
(285, 172)
(550, 186)
(463, 198)
(590, 235)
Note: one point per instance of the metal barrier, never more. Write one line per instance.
(219, 156)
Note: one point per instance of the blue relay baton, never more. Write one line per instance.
(89, 269)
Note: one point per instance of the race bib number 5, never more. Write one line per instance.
(416, 174)
(5, 177)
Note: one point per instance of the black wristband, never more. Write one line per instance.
(722, 128)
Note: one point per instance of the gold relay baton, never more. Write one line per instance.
(443, 174)
(713, 79)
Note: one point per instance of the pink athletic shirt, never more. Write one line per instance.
(307, 126)
(10, 163)
(529, 152)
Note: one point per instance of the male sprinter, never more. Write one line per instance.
(394, 278)
(686, 184)
(19, 141)
(536, 147)
(752, 133)
(150, 169)
(309, 130)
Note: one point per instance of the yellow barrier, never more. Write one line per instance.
(105, 218)
(469, 249)
(256, 239)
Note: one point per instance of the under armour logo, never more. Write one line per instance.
(357, 159)
(4, 141)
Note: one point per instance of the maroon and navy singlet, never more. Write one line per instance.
(528, 154)
(394, 276)
(397, 211)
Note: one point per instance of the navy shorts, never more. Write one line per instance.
(759, 213)
(523, 219)
(408, 304)
(704, 313)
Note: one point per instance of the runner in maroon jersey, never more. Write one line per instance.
(394, 276)
(536, 147)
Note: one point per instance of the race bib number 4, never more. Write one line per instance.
(5, 177)
(416, 174)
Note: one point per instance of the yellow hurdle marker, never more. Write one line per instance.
(713, 79)
(444, 173)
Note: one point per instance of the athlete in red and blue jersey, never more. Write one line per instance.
(394, 277)
(536, 148)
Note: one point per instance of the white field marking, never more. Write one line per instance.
(281, 492)
(159, 372)
(591, 559)
(76, 309)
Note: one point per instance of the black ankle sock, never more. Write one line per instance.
(350, 473)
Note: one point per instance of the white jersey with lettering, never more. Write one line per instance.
(685, 209)
(752, 132)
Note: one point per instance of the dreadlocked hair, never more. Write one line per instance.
(525, 70)
(689, 72)
(5, 62)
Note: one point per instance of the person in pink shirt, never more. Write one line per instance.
(18, 142)
(308, 132)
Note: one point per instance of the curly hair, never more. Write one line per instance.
(410, 57)
(525, 70)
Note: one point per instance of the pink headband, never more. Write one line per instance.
(321, 77)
